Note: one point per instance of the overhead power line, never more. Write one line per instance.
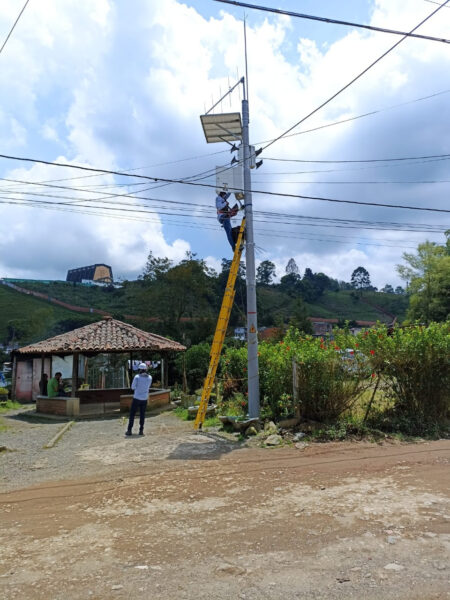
(355, 78)
(13, 27)
(185, 207)
(362, 116)
(434, 2)
(362, 160)
(196, 183)
(320, 182)
(290, 13)
(294, 235)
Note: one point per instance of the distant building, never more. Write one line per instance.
(240, 333)
(100, 273)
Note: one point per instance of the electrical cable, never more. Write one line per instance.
(434, 2)
(261, 216)
(355, 182)
(191, 183)
(354, 79)
(127, 216)
(366, 160)
(290, 13)
(368, 114)
(13, 27)
(348, 170)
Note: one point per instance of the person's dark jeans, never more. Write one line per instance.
(141, 405)
(226, 224)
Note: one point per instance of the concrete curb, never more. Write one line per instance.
(59, 435)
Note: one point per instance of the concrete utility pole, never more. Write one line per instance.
(252, 321)
(227, 127)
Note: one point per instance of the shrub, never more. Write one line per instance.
(195, 360)
(326, 385)
(415, 364)
(330, 379)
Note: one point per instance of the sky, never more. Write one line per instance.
(120, 85)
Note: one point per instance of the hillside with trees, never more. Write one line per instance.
(182, 300)
(25, 319)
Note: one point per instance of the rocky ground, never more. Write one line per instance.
(180, 515)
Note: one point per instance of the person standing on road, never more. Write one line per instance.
(140, 386)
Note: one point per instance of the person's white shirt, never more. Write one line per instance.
(141, 386)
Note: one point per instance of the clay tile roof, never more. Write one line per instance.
(107, 335)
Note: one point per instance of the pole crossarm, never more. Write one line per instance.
(221, 328)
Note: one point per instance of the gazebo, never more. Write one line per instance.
(74, 348)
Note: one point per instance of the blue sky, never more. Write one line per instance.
(120, 85)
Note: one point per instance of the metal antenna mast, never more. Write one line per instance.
(252, 321)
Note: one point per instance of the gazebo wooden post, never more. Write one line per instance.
(130, 371)
(74, 374)
(165, 371)
(13, 378)
(42, 372)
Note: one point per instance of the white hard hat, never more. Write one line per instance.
(142, 367)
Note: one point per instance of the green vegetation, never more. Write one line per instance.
(338, 380)
(25, 319)
(188, 312)
(9, 405)
(428, 274)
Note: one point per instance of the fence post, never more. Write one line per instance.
(295, 388)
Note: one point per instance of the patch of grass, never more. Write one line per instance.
(345, 429)
(3, 425)
(9, 405)
(181, 413)
(409, 428)
(212, 422)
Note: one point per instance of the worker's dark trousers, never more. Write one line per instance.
(141, 405)
(226, 224)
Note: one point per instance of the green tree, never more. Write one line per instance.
(299, 319)
(182, 296)
(291, 267)
(428, 274)
(265, 272)
(195, 362)
(155, 268)
(388, 289)
(360, 279)
(290, 284)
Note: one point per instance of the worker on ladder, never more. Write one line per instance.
(224, 214)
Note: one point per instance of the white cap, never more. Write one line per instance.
(142, 367)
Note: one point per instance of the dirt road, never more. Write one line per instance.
(329, 521)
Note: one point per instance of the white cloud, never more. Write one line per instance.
(106, 86)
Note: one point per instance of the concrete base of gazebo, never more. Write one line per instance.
(156, 399)
(60, 406)
(97, 402)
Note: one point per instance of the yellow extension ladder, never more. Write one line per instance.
(221, 329)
